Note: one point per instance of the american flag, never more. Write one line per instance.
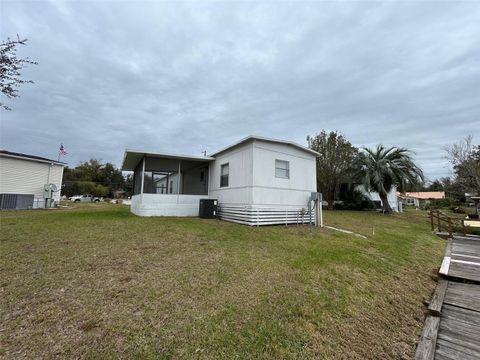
(62, 151)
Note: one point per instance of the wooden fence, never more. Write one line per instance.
(441, 222)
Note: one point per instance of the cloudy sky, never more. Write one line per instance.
(191, 76)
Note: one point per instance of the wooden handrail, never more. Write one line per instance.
(442, 219)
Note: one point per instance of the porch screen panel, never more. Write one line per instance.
(161, 182)
(137, 179)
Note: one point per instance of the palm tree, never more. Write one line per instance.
(381, 168)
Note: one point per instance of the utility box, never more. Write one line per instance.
(314, 196)
(208, 208)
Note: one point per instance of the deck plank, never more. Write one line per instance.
(464, 271)
(463, 295)
(428, 340)
(435, 306)
(464, 315)
(454, 328)
(450, 351)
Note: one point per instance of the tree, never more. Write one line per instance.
(128, 187)
(10, 67)
(93, 177)
(453, 189)
(335, 162)
(435, 185)
(382, 168)
(465, 159)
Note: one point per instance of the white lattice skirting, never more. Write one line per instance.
(263, 215)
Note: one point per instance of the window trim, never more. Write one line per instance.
(222, 166)
(287, 169)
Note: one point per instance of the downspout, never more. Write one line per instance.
(178, 180)
(48, 182)
(321, 208)
(208, 181)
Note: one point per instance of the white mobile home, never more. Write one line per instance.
(256, 181)
(375, 197)
(23, 179)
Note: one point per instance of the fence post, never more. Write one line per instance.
(450, 229)
(438, 221)
(431, 221)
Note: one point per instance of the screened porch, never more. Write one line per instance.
(167, 184)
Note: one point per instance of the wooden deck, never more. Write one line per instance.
(462, 259)
(452, 325)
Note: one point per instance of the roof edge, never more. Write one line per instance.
(164, 155)
(262, 138)
(28, 157)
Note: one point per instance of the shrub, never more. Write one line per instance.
(354, 200)
(440, 204)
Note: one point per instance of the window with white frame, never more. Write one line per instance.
(224, 170)
(282, 169)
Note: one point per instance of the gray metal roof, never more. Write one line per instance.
(30, 157)
(254, 137)
(132, 158)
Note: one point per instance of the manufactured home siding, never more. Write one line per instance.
(19, 176)
(269, 189)
(255, 193)
(240, 178)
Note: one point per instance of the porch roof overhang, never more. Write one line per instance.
(133, 157)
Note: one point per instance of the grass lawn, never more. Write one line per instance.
(99, 282)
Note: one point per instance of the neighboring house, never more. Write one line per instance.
(420, 198)
(469, 200)
(23, 179)
(393, 200)
(256, 181)
(117, 194)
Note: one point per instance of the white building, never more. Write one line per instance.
(420, 199)
(392, 197)
(23, 179)
(256, 181)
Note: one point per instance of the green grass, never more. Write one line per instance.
(99, 282)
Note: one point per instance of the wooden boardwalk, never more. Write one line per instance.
(452, 325)
(462, 259)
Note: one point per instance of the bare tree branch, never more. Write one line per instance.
(465, 159)
(10, 67)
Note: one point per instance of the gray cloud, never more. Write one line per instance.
(183, 77)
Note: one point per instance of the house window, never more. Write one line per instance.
(282, 169)
(224, 175)
(171, 186)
